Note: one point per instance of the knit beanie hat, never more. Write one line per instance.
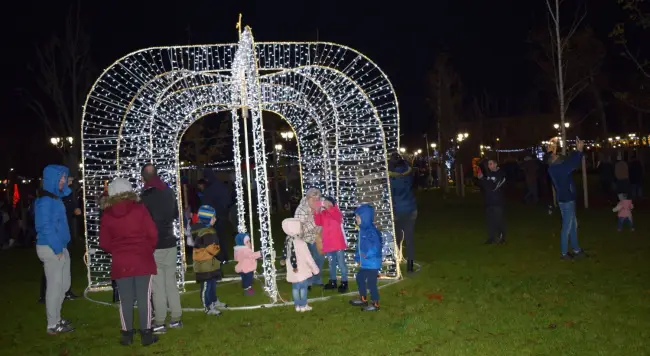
(331, 200)
(119, 186)
(240, 239)
(206, 213)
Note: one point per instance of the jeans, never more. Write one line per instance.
(57, 274)
(208, 292)
(404, 228)
(569, 231)
(165, 290)
(299, 292)
(316, 279)
(622, 221)
(367, 279)
(496, 223)
(337, 258)
(246, 280)
(134, 289)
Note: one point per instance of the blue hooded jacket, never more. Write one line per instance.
(401, 184)
(50, 216)
(561, 175)
(369, 246)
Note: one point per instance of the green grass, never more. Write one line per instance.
(468, 299)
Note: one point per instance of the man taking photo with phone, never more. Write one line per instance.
(560, 169)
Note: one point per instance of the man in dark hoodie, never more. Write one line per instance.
(405, 208)
(561, 170)
(51, 244)
(217, 195)
(491, 183)
(161, 202)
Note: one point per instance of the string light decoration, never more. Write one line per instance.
(341, 106)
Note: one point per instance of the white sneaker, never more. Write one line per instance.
(212, 311)
(306, 308)
(299, 309)
(219, 304)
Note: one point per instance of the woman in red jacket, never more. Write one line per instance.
(330, 218)
(129, 234)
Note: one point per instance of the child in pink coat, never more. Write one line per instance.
(331, 220)
(624, 210)
(246, 261)
(300, 265)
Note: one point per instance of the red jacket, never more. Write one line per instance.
(331, 220)
(129, 234)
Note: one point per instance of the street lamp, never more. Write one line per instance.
(287, 135)
(433, 145)
(419, 151)
(278, 147)
(402, 149)
(62, 142)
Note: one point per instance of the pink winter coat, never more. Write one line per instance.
(624, 208)
(331, 220)
(246, 259)
(305, 263)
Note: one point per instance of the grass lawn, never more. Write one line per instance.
(468, 299)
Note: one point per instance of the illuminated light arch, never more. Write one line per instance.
(340, 104)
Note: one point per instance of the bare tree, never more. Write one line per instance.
(559, 41)
(202, 143)
(63, 74)
(636, 97)
(447, 93)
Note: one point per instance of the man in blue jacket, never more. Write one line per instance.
(52, 239)
(404, 205)
(369, 256)
(561, 170)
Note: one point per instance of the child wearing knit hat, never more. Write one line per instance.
(246, 261)
(207, 256)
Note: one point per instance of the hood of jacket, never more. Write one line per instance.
(401, 168)
(51, 176)
(367, 215)
(121, 204)
(156, 182)
(240, 239)
(292, 227)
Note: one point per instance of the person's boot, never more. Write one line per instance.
(409, 266)
(343, 287)
(361, 302)
(147, 337)
(330, 285)
(374, 306)
(70, 296)
(127, 337)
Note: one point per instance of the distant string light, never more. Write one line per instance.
(340, 105)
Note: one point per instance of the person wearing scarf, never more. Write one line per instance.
(309, 204)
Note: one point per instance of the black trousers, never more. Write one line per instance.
(496, 223)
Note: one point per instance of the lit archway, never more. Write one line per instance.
(340, 104)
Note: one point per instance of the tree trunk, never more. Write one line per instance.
(560, 74)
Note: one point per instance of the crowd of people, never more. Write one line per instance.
(138, 231)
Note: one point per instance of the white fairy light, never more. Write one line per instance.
(340, 105)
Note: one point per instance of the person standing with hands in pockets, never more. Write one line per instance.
(52, 239)
(560, 169)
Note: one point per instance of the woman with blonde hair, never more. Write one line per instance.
(309, 204)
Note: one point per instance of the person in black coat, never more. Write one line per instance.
(219, 196)
(492, 183)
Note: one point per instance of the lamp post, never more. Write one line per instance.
(287, 135)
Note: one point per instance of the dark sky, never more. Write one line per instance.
(485, 38)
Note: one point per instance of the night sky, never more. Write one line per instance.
(485, 39)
